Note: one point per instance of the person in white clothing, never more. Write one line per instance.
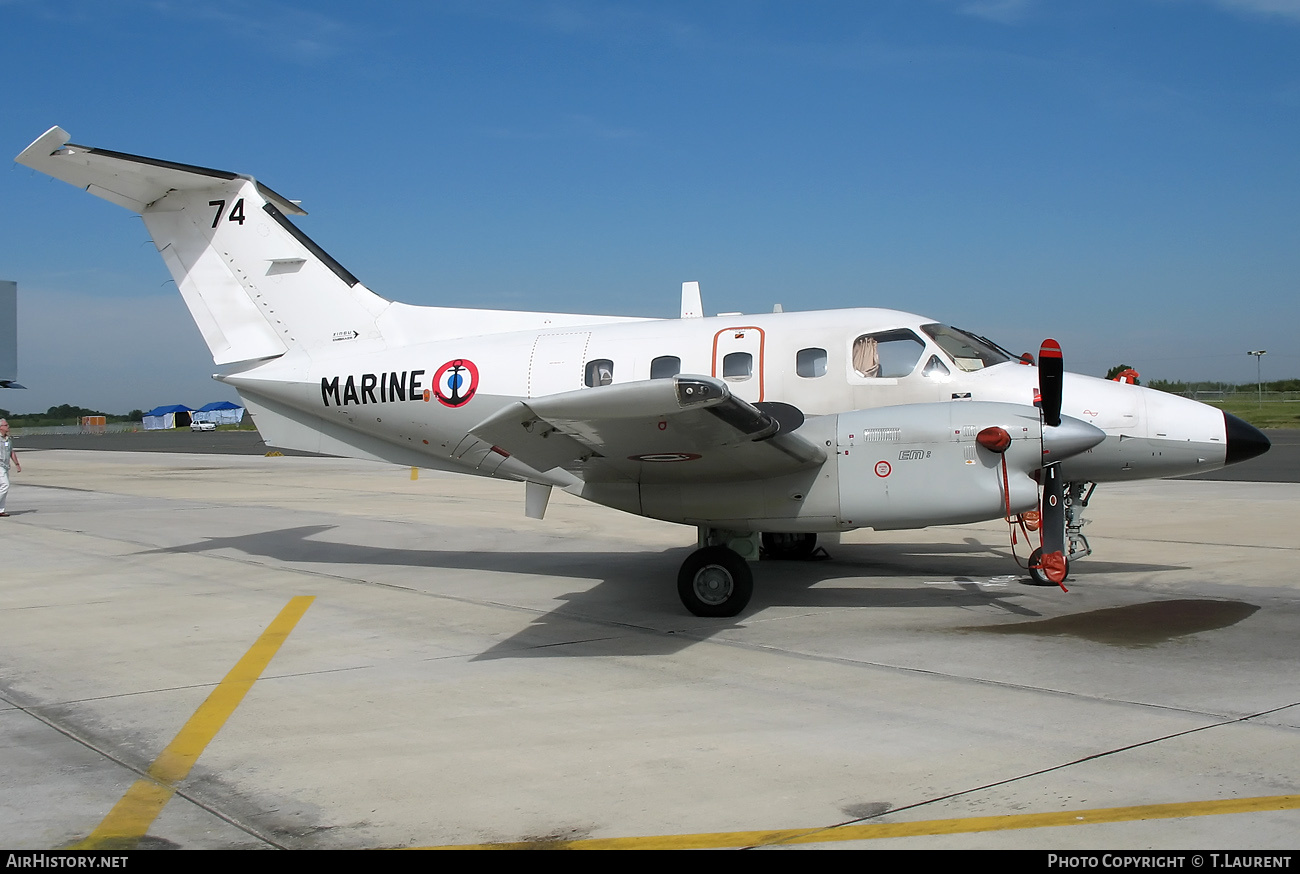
(7, 454)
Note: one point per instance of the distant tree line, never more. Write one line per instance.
(64, 414)
(1178, 387)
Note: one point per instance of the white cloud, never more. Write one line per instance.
(572, 126)
(1283, 8)
(588, 20)
(1001, 11)
(1015, 11)
(302, 35)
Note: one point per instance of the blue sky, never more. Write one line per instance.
(1123, 176)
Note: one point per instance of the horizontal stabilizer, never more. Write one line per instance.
(131, 181)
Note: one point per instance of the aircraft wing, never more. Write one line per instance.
(688, 428)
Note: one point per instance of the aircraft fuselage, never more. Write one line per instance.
(806, 359)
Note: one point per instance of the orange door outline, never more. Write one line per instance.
(762, 345)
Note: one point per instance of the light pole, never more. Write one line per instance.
(1258, 377)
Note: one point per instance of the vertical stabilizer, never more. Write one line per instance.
(254, 283)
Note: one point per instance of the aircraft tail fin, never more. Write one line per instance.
(254, 283)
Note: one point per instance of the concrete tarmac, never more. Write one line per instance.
(467, 675)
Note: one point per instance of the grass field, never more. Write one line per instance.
(1271, 414)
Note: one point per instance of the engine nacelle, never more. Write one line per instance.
(918, 465)
(889, 467)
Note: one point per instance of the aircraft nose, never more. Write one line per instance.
(1245, 441)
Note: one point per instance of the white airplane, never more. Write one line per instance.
(760, 430)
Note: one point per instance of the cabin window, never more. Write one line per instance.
(599, 372)
(887, 354)
(810, 363)
(665, 366)
(738, 366)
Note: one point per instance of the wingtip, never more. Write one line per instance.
(43, 146)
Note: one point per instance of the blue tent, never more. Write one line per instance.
(220, 413)
(173, 416)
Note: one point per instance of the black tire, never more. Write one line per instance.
(1036, 575)
(788, 547)
(715, 581)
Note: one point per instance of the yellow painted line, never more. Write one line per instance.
(131, 817)
(880, 830)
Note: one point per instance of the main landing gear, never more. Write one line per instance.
(788, 547)
(715, 580)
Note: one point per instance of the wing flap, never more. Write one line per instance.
(688, 428)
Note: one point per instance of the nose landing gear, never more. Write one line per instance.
(1076, 497)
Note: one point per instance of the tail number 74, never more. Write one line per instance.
(236, 211)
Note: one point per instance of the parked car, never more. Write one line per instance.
(203, 426)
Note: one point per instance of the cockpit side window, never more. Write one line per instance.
(887, 354)
(935, 369)
(967, 351)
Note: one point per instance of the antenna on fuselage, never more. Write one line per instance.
(692, 308)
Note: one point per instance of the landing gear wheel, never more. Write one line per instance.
(714, 581)
(788, 547)
(1036, 572)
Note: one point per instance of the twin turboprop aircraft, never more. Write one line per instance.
(759, 430)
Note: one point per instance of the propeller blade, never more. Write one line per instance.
(1054, 565)
(1051, 379)
(1051, 375)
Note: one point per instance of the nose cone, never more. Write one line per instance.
(1073, 436)
(1244, 440)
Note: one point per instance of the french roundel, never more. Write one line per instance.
(455, 382)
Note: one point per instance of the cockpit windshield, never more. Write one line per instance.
(967, 350)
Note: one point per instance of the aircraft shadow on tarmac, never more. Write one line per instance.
(634, 595)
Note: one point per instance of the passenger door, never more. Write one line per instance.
(738, 360)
